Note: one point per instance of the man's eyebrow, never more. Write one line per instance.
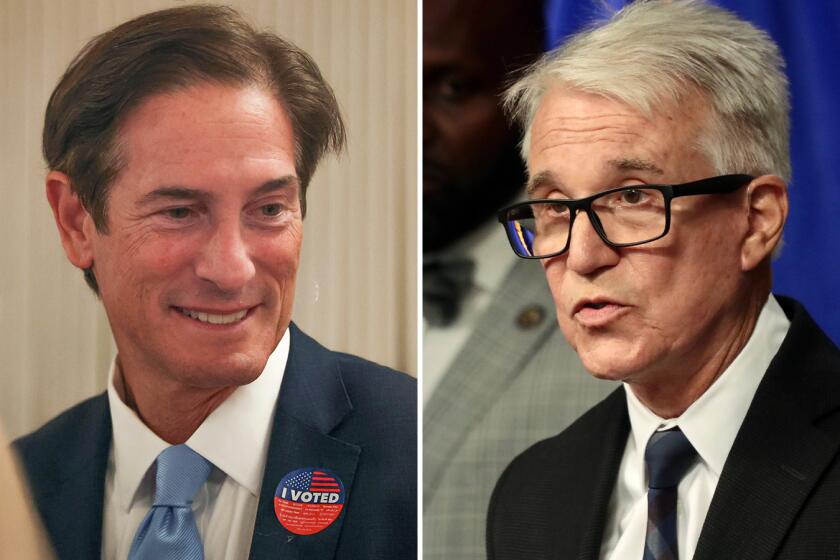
(538, 180)
(285, 182)
(178, 192)
(634, 164)
(175, 192)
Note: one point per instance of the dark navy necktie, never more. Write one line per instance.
(169, 531)
(668, 456)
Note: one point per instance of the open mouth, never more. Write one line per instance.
(214, 318)
(598, 313)
(595, 305)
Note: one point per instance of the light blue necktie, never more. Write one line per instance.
(168, 531)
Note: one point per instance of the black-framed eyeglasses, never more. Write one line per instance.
(622, 217)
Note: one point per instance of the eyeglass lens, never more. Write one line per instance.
(632, 215)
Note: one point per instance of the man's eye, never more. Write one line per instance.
(633, 196)
(454, 89)
(557, 210)
(178, 213)
(271, 210)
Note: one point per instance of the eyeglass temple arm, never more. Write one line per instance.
(714, 185)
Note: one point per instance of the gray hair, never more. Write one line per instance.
(659, 51)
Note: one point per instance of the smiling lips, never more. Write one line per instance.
(214, 318)
(597, 312)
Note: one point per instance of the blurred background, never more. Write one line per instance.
(357, 285)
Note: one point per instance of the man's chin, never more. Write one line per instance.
(606, 375)
(609, 366)
(231, 371)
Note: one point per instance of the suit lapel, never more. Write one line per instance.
(779, 454)
(596, 485)
(551, 503)
(496, 351)
(312, 403)
(71, 506)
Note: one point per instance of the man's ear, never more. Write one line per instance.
(767, 205)
(75, 225)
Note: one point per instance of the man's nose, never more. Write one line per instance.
(587, 252)
(225, 260)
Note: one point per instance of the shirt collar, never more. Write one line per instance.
(713, 420)
(234, 437)
(135, 446)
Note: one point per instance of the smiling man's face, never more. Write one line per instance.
(638, 313)
(197, 270)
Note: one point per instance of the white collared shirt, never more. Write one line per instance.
(234, 437)
(491, 253)
(710, 424)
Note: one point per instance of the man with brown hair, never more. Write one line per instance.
(180, 146)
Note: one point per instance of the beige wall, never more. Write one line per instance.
(357, 283)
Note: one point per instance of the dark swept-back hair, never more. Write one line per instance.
(169, 50)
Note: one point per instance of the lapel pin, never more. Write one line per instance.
(530, 316)
(308, 500)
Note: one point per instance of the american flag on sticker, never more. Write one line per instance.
(314, 481)
(323, 482)
(308, 500)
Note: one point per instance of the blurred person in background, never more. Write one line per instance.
(497, 375)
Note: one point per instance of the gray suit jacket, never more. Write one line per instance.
(509, 387)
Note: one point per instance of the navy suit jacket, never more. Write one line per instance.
(337, 411)
(778, 496)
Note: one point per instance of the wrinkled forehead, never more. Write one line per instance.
(208, 136)
(208, 114)
(566, 116)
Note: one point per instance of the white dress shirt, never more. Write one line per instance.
(493, 257)
(234, 437)
(710, 424)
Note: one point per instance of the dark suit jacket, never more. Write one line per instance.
(778, 494)
(334, 410)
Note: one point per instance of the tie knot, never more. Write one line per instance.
(180, 473)
(667, 456)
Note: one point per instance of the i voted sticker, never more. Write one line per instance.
(308, 500)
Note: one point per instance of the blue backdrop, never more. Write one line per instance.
(808, 33)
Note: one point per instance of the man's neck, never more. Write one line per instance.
(169, 409)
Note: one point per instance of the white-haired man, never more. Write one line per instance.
(657, 151)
